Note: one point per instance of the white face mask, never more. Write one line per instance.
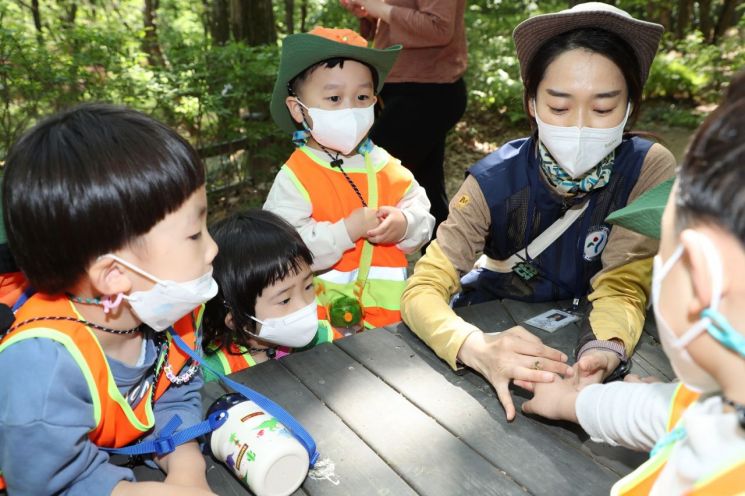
(294, 330)
(167, 301)
(340, 130)
(579, 149)
(687, 370)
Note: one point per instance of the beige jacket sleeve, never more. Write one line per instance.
(621, 290)
(425, 303)
(326, 240)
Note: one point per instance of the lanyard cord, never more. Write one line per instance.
(336, 162)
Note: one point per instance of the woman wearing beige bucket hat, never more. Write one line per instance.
(536, 209)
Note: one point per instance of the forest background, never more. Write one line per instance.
(207, 68)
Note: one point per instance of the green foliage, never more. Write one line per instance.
(215, 94)
(692, 70)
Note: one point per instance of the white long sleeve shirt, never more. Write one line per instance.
(635, 416)
(329, 240)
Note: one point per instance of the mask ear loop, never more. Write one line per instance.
(714, 261)
(109, 305)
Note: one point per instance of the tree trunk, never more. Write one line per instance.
(220, 21)
(253, 22)
(69, 13)
(683, 19)
(726, 19)
(290, 16)
(666, 17)
(37, 21)
(303, 15)
(150, 44)
(704, 19)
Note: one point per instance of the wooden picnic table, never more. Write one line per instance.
(390, 417)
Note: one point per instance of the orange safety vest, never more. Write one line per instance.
(233, 358)
(332, 199)
(728, 481)
(116, 423)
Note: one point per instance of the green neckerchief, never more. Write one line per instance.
(597, 177)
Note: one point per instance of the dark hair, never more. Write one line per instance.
(598, 41)
(256, 249)
(87, 181)
(296, 83)
(712, 175)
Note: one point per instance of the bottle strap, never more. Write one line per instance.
(282, 415)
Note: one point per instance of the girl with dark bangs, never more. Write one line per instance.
(266, 304)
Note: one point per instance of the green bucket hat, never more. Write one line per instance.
(644, 215)
(300, 51)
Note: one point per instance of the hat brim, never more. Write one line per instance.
(644, 215)
(301, 51)
(642, 36)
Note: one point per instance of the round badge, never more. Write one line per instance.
(595, 243)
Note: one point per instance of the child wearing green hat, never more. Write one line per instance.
(694, 428)
(356, 207)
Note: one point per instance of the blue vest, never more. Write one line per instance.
(522, 205)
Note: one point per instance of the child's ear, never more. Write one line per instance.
(296, 110)
(699, 269)
(107, 277)
(229, 322)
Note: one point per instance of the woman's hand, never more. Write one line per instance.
(373, 8)
(514, 354)
(355, 9)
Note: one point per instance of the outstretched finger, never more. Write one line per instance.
(527, 385)
(530, 374)
(528, 407)
(538, 350)
(503, 393)
(590, 363)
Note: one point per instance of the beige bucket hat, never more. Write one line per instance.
(643, 37)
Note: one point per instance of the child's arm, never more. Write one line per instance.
(327, 240)
(46, 414)
(420, 223)
(633, 415)
(185, 466)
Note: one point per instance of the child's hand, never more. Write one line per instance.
(360, 221)
(392, 226)
(596, 365)
(554, 400)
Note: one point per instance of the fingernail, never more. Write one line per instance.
(548, 376)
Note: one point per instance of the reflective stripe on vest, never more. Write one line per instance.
(239, 358)
(233, 360)
(116, 423)
(642, 480)
(332, 198)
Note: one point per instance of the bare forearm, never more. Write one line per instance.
(185, 467)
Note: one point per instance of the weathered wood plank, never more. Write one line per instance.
(425, 454)
(356, 467)
(517, 448)
(619, 460)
